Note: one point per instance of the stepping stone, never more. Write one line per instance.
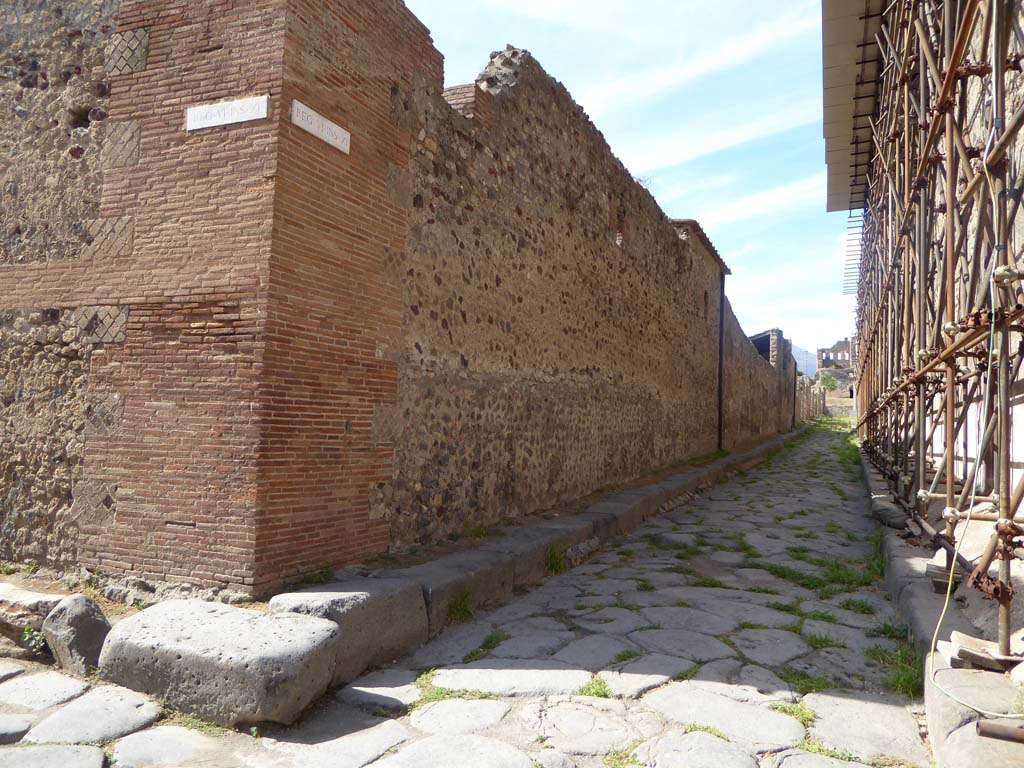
(690, 618)
(391, 690)
(451, 646)
(337, 735)
(101, 715)
(643, 674)
(750, 725)
(885, 726)
(52, 757)
(13, 727)
(532, 645)
(457, 751)
(693, 750)
(582, 726)
(611, 621)
(75, 631)
(771, 647)
(514, 677)
(34, 693)
(379, 619)
(459, 716)
(593, 652)
(9, 669)
(229, 665)
(682, 643)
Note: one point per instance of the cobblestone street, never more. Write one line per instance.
(741, 628)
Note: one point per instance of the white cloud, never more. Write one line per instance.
(700, 62)
(797, 194)
(681, 144)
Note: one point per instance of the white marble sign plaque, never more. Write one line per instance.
(226, 112)
(315, 123)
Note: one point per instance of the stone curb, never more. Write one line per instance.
(951, 726)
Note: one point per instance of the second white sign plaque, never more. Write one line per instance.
(313, 122)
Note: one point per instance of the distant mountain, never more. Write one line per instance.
(806, 362)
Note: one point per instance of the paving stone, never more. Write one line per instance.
(885, 725)
(750, 725)
(739, 612)
(459, 715)
(75, 630)
(52, 757)
(13, 727)
(9, 669)
(451, 647)
(229, 665)
(532, 645)
(682, 643)
(594, 652)
(721, 671)
(772, 647)
(534, 624)
(611, 621)
(854, 639)
(34, 693)
(693, 750)
(336, 735)
(458, 751)
(390, 690)
(643, 674)
(586, 726)
(379, 619)
(766, 681)
(101, 715)
(514, 677)
(167, 745)
(690, 618)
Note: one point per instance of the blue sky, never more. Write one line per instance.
(717, 103)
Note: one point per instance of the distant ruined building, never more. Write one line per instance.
(272, 299)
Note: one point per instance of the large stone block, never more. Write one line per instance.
(379, 619)
(228, 665)
(75, 630)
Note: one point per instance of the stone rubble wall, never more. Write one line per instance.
(54, 91)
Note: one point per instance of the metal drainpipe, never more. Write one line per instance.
(721, 346)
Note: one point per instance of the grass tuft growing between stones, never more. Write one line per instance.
(803, 683)
(173, 717)
(460, 610)
(818, 642)
(430, 693)
(798, 711)
(711, 583)
(862, 607)
(889, 630)
(556, 560)
(904, 668)
(644, 585)
(492, 641)
(597, 688)
(627, 655)
(816, 747)
(623, 758)
(691, 727)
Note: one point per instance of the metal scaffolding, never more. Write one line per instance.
(937, 173)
